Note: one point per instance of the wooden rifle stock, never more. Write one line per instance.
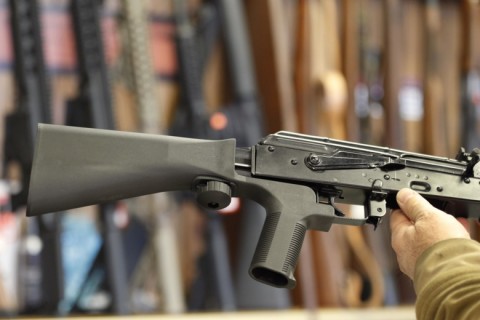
(350, 62)
(392, 57)
(436, 135)
(370, 108)
(303, 98)
(367, 90)
(332, 109)
(470, 91)
(321, 98)
(451, 70)
(271, 49)
(411, 92)
(301, 67)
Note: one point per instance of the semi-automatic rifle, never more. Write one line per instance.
(297, 178)
(162, 250)
(365, 63)
(270, 30)
(193, 121)
(322, 63)
(33, 107)
(471, 74)
(93, 108)
(244, 121)
(393, 32)
(436, 123)
(470, 79)
(410, 95)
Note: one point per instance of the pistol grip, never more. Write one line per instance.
(278, 249)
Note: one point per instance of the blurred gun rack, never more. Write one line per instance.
(398, 73)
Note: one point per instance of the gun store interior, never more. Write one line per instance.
(398, 73)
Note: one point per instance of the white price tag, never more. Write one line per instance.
(410, 99)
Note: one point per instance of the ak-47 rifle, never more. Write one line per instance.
(33, 107)
(297, 178)
(93, 108)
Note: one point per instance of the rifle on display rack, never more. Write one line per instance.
(365, 64)
(162, 250)
(435, 102)
(193, 120)
(240, 119)
(93, 108)
(410, 95)
(269, 34)
(33, 107)
(471, 75)
(470, 81)
(393, 32)
(321, 61)
(451, 65)
(271, 38)
(330, 92)
(297, 178)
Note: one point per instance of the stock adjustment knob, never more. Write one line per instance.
(214, 195)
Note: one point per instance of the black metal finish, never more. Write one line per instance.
(33, 107)
(93, 107)
(33, 104)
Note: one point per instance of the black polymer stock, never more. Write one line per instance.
(298, 179)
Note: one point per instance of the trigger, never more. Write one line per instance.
(376, 205)
(338, 212)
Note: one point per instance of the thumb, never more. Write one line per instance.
(413, 204)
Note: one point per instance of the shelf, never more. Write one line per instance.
(397, 313)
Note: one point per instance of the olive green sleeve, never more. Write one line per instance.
(447, 281)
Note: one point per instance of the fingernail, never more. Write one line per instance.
(405, 194)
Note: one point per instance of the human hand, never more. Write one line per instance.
(416, 226)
